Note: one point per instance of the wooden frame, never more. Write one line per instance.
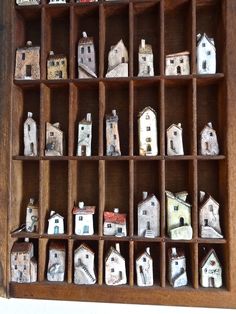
(43, 176)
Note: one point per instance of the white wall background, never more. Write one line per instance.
(20, 306)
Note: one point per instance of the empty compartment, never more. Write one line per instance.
(147, 26)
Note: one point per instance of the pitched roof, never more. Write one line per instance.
(147, 199)
(113, 250)
(85, 247)
(183, 53)
(173, 196)
(50, 125)
(145, 109)
(205, 259)
(206, 198)
(116, 218)
(174, 125)
(210, 40)
(142, 254)
(56, 245)
(55, 215)
(86, 40)
(207, 127)
(180, 254)
(21, 247)
(86, 210)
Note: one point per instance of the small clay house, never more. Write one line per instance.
(32, 216)
(144, 269)
(177, 268)
(208, 141)
(206, 55)
(56, 261)
(211, 271)
(86, 57)
(85, 136)
(112, 135)
(84, 271)
(57, 1)
(54, 140)
(118, 61)
(84, 219)
(30, 136)
(28, 2)
(115, 224)
(145, 59)
(55, 223)
(178, 64)
(175, 140)
(56, 65)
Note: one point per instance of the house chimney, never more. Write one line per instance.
(179, 125)
(52, 212)
(148, 250)
(88, 117)
(173, 251)
(85, 35)
(81, 205)
(114, 112)
(30, 114)
(116, 210)
(29, 43)
(202, 195)
(118, 247)
(27, 240)
(51, 53)
(209, 124)
(145, 194)
(199, 36)
(143, 43)
(32, 201)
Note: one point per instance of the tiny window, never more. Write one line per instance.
(87, 256)
(23, 56)
(51, 134)
(56, 221)
(112, 270)
(30, 210)
(176, 208)
(144, 259)
(24, 258)
(81, 60)
(28, 128)
(147, 117)
(144, 212)
(172, 61)
(62, 62)
(89, 60)
(89, 49)
(152, 203)
(111, 125)
(208, 53)
(82, 50)
(181, 60)
(15, 266)
(210, 208)
(80, 218)
(112, 259)
(52, 63)
(55, 255)
(82, 128)
(148, 139)
(24, 267)
(175, 133)
(203, 45)
(211, 134)
(58, 63)
(144, 59)
(114, 136)
(108, 225)
(176, 263)
(148, 128)
(88, 135)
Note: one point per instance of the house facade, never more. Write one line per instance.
(177, 268)
(84, 270)
(118, 61)
(84, 219)
(85, 136)
(144, 269)
(54, 140)
(145, 59)
(30, 136)
(147, 126)
(206, 55)
(175, 140)
(112, 135)
(56, 64)
(55, 223)
(86, 57)
(115, 224)
(208, 141)
(211, 271)
(32, 216)
(56, 262)
(178, 64)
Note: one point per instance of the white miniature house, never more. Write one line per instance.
(85, 136)
(211, 271)
(118, 61)
(206, 55)
(54, 140)
(145, 59)
(177, 268)
(30, 136)
(86, 57)
(57, 1)
(84, 271)
(208, 141)
(175, 140)
(144, 269)
(112, 135)
(32, 216)
(178, 64)
(115, 269)
(28, 2)
(84, 219)
(115, 224)
(149, 216)
(55, 223)
(56, 262)
(147, 126)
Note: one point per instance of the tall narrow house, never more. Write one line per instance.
(84, 271)
(208, 141)
(145, 59)
(175, 140)
(112, 135)
(30, 136)
(206, 55)
(85, 136)
(86, 57)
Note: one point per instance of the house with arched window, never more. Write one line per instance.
(178, 63)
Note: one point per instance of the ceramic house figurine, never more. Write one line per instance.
(28, 2)
(57, 1)
(85, 136)
(56, 262)
(178, 64)
(56, 65)
(149, 216)
(145, 59)
(112, 135)
(144, 269)
(23, 263)
(175, 140)
(118, 61)
(78, 1)
(32, 216)
(84, 219)
(178, 216)
(84, 271)
(208, 141)
(115, 224)
(30, 136)
(147, 126)
(86, 57)
(209, 219)
(115, 270)
(54, 140)
(177, 268)
(206, 55)
(55, 223)
(27, 62)
(211, 271)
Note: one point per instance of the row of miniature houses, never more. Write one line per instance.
(148, 137)
(24, 266)
(37, 2)
(28, 61)
(148, 216)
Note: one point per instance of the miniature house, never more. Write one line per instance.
(149, 216)
(144, 269)
(147, 126)
(84, 272)
(55, 223)
(56, 64)
(178, 64)
(30, 136)
(115, 224)
(206, 55)
(118, 61)
(78, 1)
(209, 219)
(175, 140)
(56, 262)
(27, 2)
(57, 1)
(27, 62)
(208, 141)
(54, 140)
(112, 135)
(85, 136)
(145, 59)
(32, 216)
(23, 263)
(84, 219)
(86, 57)
(178, 216)
(115, 270)
(211, 271)
(177, 268)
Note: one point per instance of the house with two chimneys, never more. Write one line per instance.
(144, 269)
(84, 219)
(115, 224)
(84, 270)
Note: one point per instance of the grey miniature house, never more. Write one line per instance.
(209, 218)
(23, 263)
(177, 268)
(178, 216)
(84, 271)
(55, 223)
(28, 2)
(178, 63)
(144, 269)
(112, 135)
(118, 61)
(208, 141)
(32, 216)
(175, 140)
(115, 269)
(145, 59)
(211, 271)
(115, 224)
(149, 216)
(86, 57)
(84, 219)
(206, 55)
(56, 262)
(147, 127)
(30, 136)
(56, 66)
(85, 136)
(54, 140)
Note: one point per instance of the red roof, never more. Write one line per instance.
(115, 218)
(86, 210)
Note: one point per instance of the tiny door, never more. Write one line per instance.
(28, 70)
(83, 150)
(211, 282)
(181, 221)
(56, 230)
(86, 229)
